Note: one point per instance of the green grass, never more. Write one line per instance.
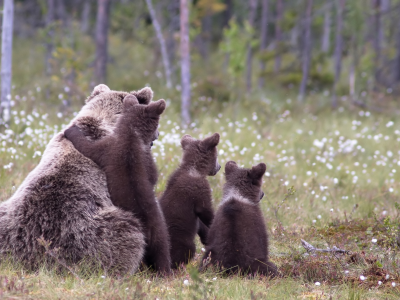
(321, 211)
(344, 166)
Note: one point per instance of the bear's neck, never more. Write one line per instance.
(191, 171)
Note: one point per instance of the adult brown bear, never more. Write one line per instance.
(65, 200)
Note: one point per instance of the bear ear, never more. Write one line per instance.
(186, 140)
(211, 141)
(99, 89)
(145, 95)
(130, 100)
(230, 167)
(156, 108)
(258, 171)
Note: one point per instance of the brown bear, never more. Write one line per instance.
(131, 172)
(187, 200)
(65, 200)
(238, 238)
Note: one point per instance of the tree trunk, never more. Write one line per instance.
(50, 35)
(185, 62)
(103, 11)
(306, 51)
(397, 63)
(61, 12)
(338, 48)
(6, 60)
(249, 58)
(173, 27)
(376, 5)
(326, 35)
(227, 13)
(353, 66)
(278, 34)
(85, 16)
(160, 37)
(263, 39)
(205, 36)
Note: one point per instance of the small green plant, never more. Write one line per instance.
(199, 288)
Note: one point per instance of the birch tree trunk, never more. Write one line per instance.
(263, 39)
(185, 62)
(50, 35)
(103, 11)
(6, 59)
(338, 48)
(249, 57)
(326, 35)
(306, 51)
(161, 40)
(278, 34)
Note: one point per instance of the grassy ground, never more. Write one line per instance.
(342, 166)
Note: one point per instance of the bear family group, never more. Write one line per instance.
(92, 198)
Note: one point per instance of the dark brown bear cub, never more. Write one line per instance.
(238, 239)
(131, 172)
(187, 200)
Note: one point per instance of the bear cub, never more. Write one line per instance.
(187, 200)
(238, 238)
(131, 172)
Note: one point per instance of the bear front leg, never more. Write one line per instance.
(92, 150)
(182, 254)
(202, 231)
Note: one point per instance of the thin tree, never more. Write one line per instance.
(377, 36)
(6, 59)
(340, 4)
(249, 56)
(102, 23)
(85, 16)
(306, 51)
(326, 34)
(397, 59)
(161, 40)
(185, 62)
(278, 34)
(50, 35)
(263, 38)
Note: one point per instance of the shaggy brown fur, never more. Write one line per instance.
(187, 200)
(238, 238)
(65, 199)
(131, 172)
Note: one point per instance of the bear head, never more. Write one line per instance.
(200, 156)
(103, 107)
(244, 184)
(146, 117)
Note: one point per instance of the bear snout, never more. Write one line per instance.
(216, 169)
(261, 195)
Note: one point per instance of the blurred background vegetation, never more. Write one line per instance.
(318, 53)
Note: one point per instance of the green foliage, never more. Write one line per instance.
(234, 45)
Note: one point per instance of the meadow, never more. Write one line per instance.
(331, 180)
